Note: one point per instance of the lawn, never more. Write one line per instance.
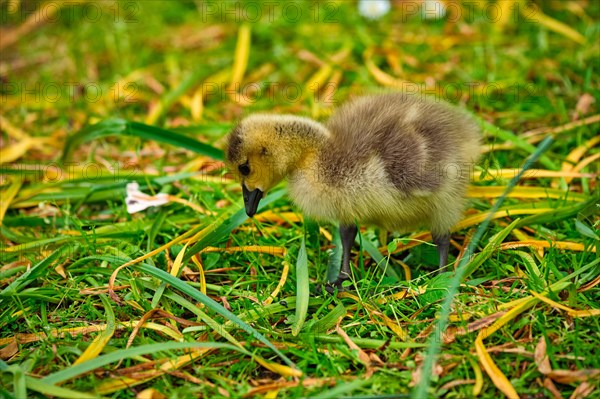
(190, 298)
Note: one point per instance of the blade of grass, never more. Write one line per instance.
(421, 391)
(85, 367)
(174, 272)
(555, 26)
(383, 262)
(171, 97)
(242, 53)
(284, 306)
(339, 390)
(329, 320)
(19, 381)
(223, 231)
(98, 344)
(23, 280)
(121, 127)
(493, 245)
(212, 305)
(277, 368)
(560, 213)
(8, 195)
(335, 260)
(302, 290)
(363, 343)
(519, 143)
(57, 392)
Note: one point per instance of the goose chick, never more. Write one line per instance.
(393, 160)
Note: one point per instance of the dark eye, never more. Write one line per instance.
(244, 169)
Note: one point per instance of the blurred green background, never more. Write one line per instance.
(194, 68)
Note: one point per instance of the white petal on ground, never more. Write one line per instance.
(137, 201)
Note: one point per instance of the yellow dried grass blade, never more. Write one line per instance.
(398, 296)
(197, 105)
(477, 219)
(512, 304)
(280, 217)
(85, 330)
(117, 384)
(282, 280)
(16, 151)
(537, 244)
(585, 313)
(201, 275)
(178, 260)
(384, 78)
(242, 53)
(124, 382)
(570, 311)
(505, 12)
(497, 377)
(551, 302)
(373, 311)
(574, 156)
(35, 337)
(263, 249)
(508, 316)
(414, 240)
(490, 367)
(522, 192)
(478, 377)
(280, 369)
(406, 269)
(168, 331)
(555, 26)
(196, 236)
(395, 327)
(317, 80)
(537, 134)
(326, 234)
(98, 344)
(11, 130)
(8, 195)
(493, 174)
(585, 162)
(187, 203)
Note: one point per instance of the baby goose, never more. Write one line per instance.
(393, 160)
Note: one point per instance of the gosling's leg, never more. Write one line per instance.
(347, 235)
(442, 241)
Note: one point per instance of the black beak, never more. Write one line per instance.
(251, 200)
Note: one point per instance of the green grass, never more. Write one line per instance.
(67, 159)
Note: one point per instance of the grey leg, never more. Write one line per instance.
(442, 241)
(347, 235)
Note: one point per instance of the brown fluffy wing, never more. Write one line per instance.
(414, 148)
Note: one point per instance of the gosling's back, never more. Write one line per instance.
(394, 160)
(421, 142)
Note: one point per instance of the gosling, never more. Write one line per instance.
(396, 161)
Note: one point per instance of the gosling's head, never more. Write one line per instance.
(263, 149)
